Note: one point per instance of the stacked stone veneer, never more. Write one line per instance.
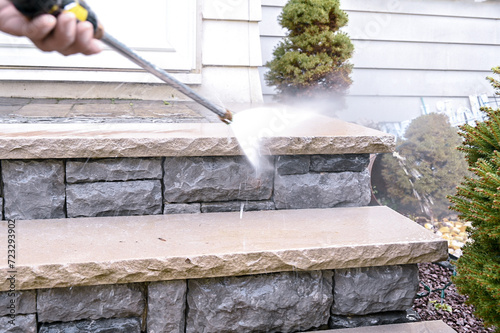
(43, 189)
(278, 302)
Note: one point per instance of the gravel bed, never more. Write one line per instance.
(461, 317)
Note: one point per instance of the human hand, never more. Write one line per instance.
(63, 34)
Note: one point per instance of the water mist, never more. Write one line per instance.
(252, 126)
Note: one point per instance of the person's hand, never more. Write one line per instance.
(63, 34)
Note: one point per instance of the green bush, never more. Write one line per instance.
(425, 168)
(313, 58)
(478, 201)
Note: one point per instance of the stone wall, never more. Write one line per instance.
(64, 188)
(1, 194)
(278, 302)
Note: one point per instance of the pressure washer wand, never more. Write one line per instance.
(224, 115)
(32, 8)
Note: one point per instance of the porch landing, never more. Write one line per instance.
(51, 110)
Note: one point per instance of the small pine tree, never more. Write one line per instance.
(313, 58)
(425, 169)
(478, 201)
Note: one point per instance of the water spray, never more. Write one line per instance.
(249, 126)
(32, 8)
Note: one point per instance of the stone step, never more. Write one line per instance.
(435, 326)
(110, 250)
(318, 135)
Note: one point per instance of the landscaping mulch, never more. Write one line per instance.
(461, 317)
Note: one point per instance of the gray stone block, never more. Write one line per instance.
(96, 302)
(192, 208)
(385, 318)
(205, 179)
(113, 169)
(340, 163)
(1, 193)
(120, 325)
(166, 306)
(281, 302)
(293, 165)
(322, 190)
(137, 197)
(18, 302)
(18, 324)
(360, 291)
(235, 206)
(33, 189)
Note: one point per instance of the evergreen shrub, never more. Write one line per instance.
(312, 60)
(478, 201)
(425, 168)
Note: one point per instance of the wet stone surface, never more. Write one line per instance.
(360, 291)
(96, 302)
(339, 163)
(166, 306)
(46, 111)
(138, 197)
(204, 179)
(33, 189)
(322, 190)
(237, 206)
(128, 325)
(22, 324)
(385, 318)
(24, 302)
(293, 165)
(192, 208)
(116, 169)
(281, 302)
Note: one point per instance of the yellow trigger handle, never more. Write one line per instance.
(82, 11)
(76, 8)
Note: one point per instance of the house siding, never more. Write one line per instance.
(222, 62)
(408, 53)
(231, 54)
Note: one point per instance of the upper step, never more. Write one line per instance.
(317, 135)
(108, 250)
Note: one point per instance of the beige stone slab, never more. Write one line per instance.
(44, 110)
(94, 251)
(162, 110)
(83, 101)
(9, 109)
(435, 326)
(321, 136)
(100, 110)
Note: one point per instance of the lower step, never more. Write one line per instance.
(110, 250)
(436, 326)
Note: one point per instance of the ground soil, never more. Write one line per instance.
(461, 319)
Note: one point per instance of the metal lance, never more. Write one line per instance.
(32, 8)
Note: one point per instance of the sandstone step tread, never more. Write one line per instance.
(320, 135)
(109, 250)
(436, 326)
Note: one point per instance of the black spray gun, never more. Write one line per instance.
(32, 8)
